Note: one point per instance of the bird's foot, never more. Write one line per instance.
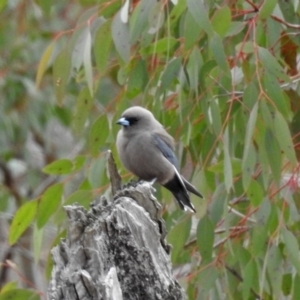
(135, 183)
(141, 181)
(132, 182)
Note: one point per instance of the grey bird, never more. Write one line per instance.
(147, 151)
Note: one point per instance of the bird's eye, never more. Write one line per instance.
(132, 120)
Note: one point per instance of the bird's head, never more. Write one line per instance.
(138, 118)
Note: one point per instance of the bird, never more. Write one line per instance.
(147, 150)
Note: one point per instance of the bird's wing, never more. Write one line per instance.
(165, 148)
(162, 142)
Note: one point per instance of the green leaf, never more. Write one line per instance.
(85, 185)
(120, 36)
(206, 279)
(64, 166)
(97, 172)
(48, 204)
(218, 167)
(205, 238)
(19, 294)
(221, 20)
(296, 287)
(245, 47)
(255, 193)
(193, 66)
(85, 17)
(12, 285)
(274, 154)
(235, 28)
(59, 167)
(177, 11)
(271, 64)
(98, 134)
(243, 255)
(38, 235)
(286, 284)
(227, 163)
(170, 73)
(156, 17)
(199, 13)
(164, 45)
(83, 106)
(287, 8)
(191, 32)
(87, 59)
(272, 35)
(122, 75)
(264, 211)
(217, 49)
(283, 135)
(137, 80)
(108, 11)
(273, 219)
(248, 166)
(205, 70)
(43, 64)
(250, 276)
(102, 46)
(139, 19)
(22, 219)
(263, 155)
(267, 113)
(215, 118)
(78, 162)
(292, 248)
(267, 8)
(217, 204)
(259, 240)
(274, 269)
(78, 42)
(61, 73)
(178, 236)
(274, 91)
(250, 129)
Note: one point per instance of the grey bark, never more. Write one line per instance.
(115, 251)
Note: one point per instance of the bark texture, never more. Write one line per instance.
(115, 251)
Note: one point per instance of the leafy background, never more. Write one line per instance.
(222, 76)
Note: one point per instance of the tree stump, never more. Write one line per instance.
(115, 251)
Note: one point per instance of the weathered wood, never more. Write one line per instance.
(115, 251)
(115, 178)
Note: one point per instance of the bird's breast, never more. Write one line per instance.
(141, 156)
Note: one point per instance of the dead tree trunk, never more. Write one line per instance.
(115, 251)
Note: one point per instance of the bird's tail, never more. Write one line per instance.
(191, 188)
(177, 187)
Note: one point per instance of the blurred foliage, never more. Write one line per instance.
(222, 76)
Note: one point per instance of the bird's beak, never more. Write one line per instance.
(123, 122)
